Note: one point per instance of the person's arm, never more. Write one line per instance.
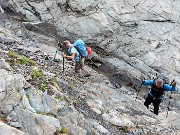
(72, 54)
(148, 82)
(172, 87)
(70, 57)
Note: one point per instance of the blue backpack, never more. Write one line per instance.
(81, 48)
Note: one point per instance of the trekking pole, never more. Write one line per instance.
(63, 64)
(55, 55)
(170, 97)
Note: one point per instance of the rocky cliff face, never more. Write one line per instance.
(144, 29)
(133, 39)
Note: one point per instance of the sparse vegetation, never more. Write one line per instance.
(27, 61)
(12, 54)
(64, 131)
(21, 60)
(44, 86)
(36, 73)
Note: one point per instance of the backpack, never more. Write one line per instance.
(81, 48)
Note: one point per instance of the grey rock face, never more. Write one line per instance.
(4, 65)
(5, 129)
(135, 38)
(146, 30)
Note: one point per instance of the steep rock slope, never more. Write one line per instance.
(46, 104)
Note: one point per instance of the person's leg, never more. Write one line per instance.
(79, 64)
(77, 67)
(82, 62)
(156, 103)
(87, 74)
(148, 101)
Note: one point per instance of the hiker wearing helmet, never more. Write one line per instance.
(155, 96)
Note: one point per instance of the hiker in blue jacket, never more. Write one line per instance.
(156, 94)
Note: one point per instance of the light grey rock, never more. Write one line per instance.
(65, 110)
(25, 102)
(42, 102)
(80, 5)
(99, 127)
(43, 128)
(32, 124)
(10, 85)
(135, 37)
(15, 124)
(118, 119)
(12, 116)
(5, 129)
(48, 74)
(4, 65)
(53, 121)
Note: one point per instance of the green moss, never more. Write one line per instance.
(12, 54)
(43, 86)
(27, 61)
(37, 74)
(64, 131)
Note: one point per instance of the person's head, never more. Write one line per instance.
(159, 82)
(66, 44)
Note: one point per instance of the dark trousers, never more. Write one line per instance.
(156, 102)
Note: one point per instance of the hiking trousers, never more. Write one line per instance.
(79, 65)
(156, 102)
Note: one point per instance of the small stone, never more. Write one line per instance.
(96, 110)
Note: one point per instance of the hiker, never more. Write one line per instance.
(156, 94)
(74, 54)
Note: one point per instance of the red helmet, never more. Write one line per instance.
(89, 50)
